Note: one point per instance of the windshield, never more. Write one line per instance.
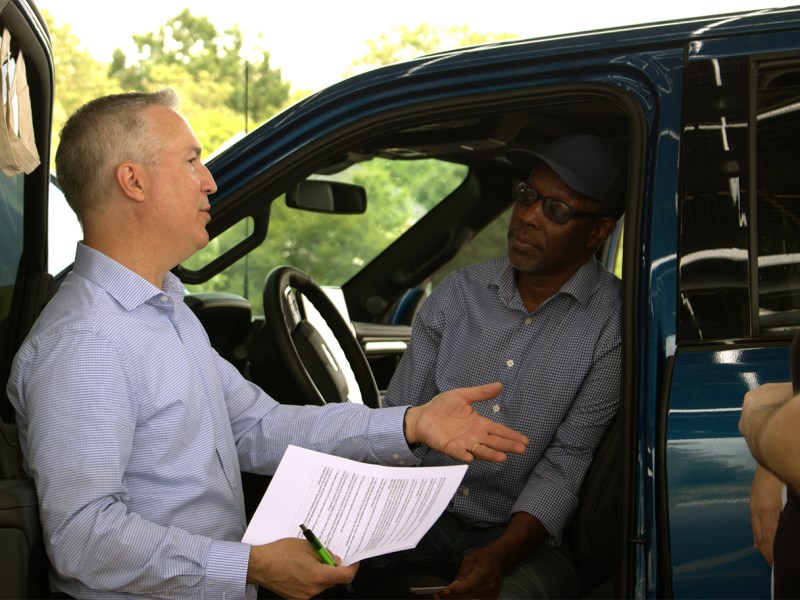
(332, 248)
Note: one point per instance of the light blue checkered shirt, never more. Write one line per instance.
(135, 431)
(560, 368)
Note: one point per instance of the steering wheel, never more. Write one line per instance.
(309, 363)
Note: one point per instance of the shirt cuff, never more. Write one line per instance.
(387, 440)
(548, 503)
(226, 571)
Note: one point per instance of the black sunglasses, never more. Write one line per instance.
(554, 209)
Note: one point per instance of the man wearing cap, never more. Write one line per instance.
(545, 321)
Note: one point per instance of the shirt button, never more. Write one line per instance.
(465, 492)
(509, 363)
(164, 299)
(396, 456)
(528, 320)
(496, 408)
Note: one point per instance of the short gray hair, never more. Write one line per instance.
(99, 136)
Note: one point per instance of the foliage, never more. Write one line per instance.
(78, 77)
(212, 122)
(402, 43)
(332, 248)
(193, 45)
(187, 53)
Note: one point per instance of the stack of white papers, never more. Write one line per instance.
(355, 509)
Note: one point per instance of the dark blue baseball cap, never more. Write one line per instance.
(586, 163)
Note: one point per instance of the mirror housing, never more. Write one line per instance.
(328, 197)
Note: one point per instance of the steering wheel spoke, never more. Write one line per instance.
(308, 360)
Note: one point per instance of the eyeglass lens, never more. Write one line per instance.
(553, 208)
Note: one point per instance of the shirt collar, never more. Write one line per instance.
(579, 286)
(122, 284)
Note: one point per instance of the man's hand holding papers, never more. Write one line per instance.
(294, 569)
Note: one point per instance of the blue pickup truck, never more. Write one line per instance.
(352, 204)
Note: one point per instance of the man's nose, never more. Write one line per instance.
(209, 185)
(533, 214)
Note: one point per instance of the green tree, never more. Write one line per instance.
(194, 45)
(332, 248)
(212, 121)
(78, 76)
(403, 43)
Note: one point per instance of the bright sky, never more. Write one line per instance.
(313, 42)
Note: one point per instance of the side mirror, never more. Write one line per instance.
(328, 197)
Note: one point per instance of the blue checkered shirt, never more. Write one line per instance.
(560, 369)
(135, 431)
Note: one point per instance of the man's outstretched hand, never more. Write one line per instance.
(450, 424)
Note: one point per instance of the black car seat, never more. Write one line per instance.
(23, 560)
(592, 534)
(227, 319)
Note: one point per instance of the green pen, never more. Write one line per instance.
(322, 551)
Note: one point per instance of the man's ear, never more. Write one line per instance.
(601, 229)
(128, 175)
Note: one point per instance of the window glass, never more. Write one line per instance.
(492, 241)
(778, 196)
(11, 210)
(332, 248)
(11, 221)
(739, 263)
(235, 278)
(713, 211)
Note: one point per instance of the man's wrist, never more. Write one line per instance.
(411, 445)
